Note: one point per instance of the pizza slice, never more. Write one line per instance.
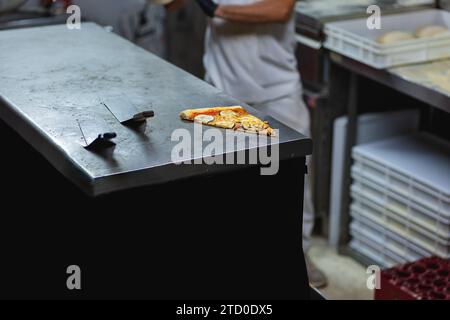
(235, 118)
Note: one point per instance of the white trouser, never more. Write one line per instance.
(292, 111)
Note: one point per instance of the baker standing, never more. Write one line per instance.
(250, 55)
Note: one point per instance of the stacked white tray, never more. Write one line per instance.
(401, 199)
(354, 39)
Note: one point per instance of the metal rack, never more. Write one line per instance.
(357, 70)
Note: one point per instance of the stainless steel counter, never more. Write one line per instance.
(51, 78)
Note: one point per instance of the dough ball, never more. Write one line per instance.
(431, 31)
(394, 37)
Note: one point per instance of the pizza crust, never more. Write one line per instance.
(190, 114)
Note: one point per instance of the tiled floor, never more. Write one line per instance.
(346, 278)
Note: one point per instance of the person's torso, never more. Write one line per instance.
(252, 62)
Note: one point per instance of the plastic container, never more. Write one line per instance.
(398, 205)
(416, 166)
(371, 127)
(377, 208)
(426, 279)
(400, 249)
(378, 255)
(436, 202)
(354, 39)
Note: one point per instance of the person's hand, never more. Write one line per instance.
(209, 7)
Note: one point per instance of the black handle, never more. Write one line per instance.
(148, 114)
(108, 135)
(143, 115)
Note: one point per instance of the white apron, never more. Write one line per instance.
(252, 62)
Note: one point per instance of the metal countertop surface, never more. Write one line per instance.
(52, 78)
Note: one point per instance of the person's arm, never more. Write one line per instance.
(264, 11)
